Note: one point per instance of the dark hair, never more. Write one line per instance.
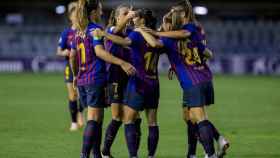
(112, 19)
(183, 6)
(147, 14)
(85, 7)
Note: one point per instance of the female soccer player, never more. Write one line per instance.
(117, 78)
(88, 63)
(143, 89)
(188, 57)
(63, 50)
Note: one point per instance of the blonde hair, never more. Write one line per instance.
(84, 9)
(186, 7)
(114, 14)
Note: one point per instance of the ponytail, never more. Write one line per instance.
(112, 19)
(186, 7)
(84, 9)
(114, 14)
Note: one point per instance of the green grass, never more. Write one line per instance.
(34, 118)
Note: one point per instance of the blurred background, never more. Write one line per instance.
(244, 34)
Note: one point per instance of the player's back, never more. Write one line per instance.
(91, 68)
(186, 56)
(145, 59)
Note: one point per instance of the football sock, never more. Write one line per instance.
(90, 138)
(80, 107)
(153, 139)
(192, 137)
(206, 137)
(97, 142)
(110, 135)
(131, 139)
(138, 132)
(216, 133)
(73, 108)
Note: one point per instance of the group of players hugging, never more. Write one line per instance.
(118, 66)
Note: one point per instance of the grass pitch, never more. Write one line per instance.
(34, 118)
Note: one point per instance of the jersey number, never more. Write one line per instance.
(151, 62)
(83, 52)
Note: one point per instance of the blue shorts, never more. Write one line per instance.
(92, 96)
(149, 99)
(68, 74)
(116, 92)
(199, 95)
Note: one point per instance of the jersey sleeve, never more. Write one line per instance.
(62, 43)
(74, 44)
(190, 28)
(135, 38)
(110, 30)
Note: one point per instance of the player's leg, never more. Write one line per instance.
(93, 97)
(153, 136)
(194, 99)
(81, 108)
(112, 129)
(130, 116)
(134, 104)
(192, 130)
(138, 122)
(223, 143)
(73, 105)
(115, 94)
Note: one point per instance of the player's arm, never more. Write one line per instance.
(153, 42)
(114, 38)
(118, 40)
(73, 62)
(123, 22)
(62, 52)
(62, 44)
(106, 56)
(180, 34)
(208, 54)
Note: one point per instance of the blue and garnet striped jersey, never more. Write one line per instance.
(115, 72)
(92, 70)
(66, 39)
(187, 57)
(145, 59)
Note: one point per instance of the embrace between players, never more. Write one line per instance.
(123, 58)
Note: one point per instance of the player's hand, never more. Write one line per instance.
(138, 29)
(128, 68)
(131, 14)
(171, 73)
(66, 53)
(75, 83)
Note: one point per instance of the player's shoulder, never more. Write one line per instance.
(192, 27)
(92, 26)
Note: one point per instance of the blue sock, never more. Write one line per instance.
(192, 138)
(138, 132)
(73, 108)
(97, 143)
(206, 137)
(153, 139)
(80, 107)
(216, 133)
(110, 136)
(131, 139)
(91, 139)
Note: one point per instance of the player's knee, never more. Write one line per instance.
(72, 96)
(152, 121)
